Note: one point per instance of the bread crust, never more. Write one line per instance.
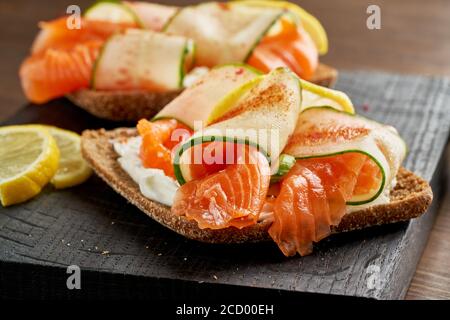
(325, 76)
(122, 105)
(409, 199)
(137, 104)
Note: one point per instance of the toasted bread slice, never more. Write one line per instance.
(325, 76)
(122, 105)
(409, 199)
(138, 104)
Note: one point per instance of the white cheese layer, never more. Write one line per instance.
(153, 183)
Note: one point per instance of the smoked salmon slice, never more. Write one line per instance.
(313, 198)
(56, 72)
(56, 34)
(159, 138)
(62, 59)
(231, 197)
(292, 48)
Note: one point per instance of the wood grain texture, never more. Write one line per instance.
(413, 39)
(95, 228)
(432, 277)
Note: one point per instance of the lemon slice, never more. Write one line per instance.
(314, 95)
(28, 160)
(309, 22)
(72, 169)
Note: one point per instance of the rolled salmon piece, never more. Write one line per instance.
(224, 169)
(343, 163)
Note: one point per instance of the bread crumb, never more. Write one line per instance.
(105, 252)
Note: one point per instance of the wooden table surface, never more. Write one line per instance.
(414, 38)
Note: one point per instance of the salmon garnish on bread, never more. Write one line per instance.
(101, 67)
(343, 172)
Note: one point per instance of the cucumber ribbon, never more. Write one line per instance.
(142, 59)
(324, 131)
(223, 33)
(197, 103)
(263, 115)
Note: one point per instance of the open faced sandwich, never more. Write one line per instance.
(243, 157)
(127, 60)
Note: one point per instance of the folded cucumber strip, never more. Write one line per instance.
(308, 21)
(264, 116)
(325, 132)
(197, 102)
(286, 162)
(182, 166)
(223, 33)
(153, 16)
(231, 98)
(378, 158)
(112, 11)
(142, 59)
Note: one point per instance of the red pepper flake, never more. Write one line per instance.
(365, 107)
(239, 71)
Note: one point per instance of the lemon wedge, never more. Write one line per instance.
(72, 169)
(308, 21)
(28, 160)
(314, 95)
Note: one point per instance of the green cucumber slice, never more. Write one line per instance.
(186, 61)
(142, 59)
(337, 132)
(262, 122)
(231, 99)
(380, 162)
(197, 102)
(112, 11)
(178, 164)
(286, 162)
(241, 65)
(151, 16)
(223, 33)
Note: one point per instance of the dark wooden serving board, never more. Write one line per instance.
(123, 253)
